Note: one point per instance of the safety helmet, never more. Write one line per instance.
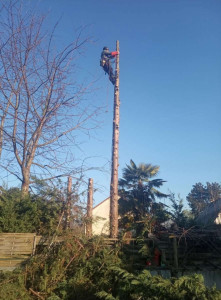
(105, 48)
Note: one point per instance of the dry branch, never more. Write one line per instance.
(37, 294)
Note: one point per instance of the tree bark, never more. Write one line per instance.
(25, 181)
(68, 207)
(115, 156)
(89, 208)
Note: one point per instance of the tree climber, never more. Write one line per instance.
(105, 63)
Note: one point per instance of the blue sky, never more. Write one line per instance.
(170, 84)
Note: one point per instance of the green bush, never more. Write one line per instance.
(143, 286)
(12, 286)
(88, 269)
(76, 269)
(31, 213)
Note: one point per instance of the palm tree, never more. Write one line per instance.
(138, 192)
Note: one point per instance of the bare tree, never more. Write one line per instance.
(41, 103)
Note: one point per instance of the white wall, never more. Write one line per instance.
(218, 219)
(101, 215)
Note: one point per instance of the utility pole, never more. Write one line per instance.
(115, 155)
(68, 207)
(89, 208)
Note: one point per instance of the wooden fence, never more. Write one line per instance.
(198, 248)
(15, 248)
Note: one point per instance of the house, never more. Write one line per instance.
(211, 215)
(101, 216)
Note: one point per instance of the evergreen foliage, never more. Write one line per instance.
(29, 213)
(143, 286)
(86, 268)
(181, 217)
(201, 195)
(81, 268)
(78, 268)
(12, 286)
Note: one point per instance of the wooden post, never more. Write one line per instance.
(115, 155)
(68, 207)
(89, 208)
(34, 245)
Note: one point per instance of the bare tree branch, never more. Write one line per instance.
(43, 104)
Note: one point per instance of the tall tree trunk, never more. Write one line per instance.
(89, 208)
(115, 156)
(68, 207)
